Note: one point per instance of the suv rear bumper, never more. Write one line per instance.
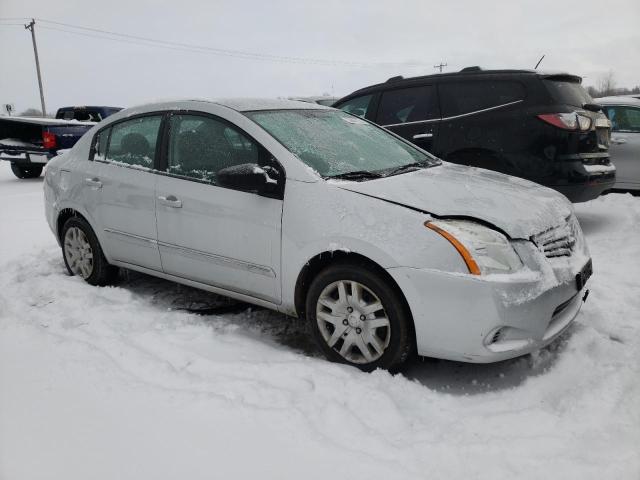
(584, 177)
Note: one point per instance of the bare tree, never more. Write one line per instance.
(607, 84)
(31, 112)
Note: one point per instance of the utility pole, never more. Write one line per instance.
(32, 27)
(440, 66)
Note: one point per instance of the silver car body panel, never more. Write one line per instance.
(624, 147)
(254, 248)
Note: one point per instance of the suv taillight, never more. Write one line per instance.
(567, 121)
(49, 140)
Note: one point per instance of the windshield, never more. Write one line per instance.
(568, 93)
(335, 143)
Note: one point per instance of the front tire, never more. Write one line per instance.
(26, 171)
(358, 318)
(83, 255)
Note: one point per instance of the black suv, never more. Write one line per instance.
(542, 127)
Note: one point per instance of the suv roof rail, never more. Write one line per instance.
(475, 68)
(395, 79)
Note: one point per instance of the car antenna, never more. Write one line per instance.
(539, 62)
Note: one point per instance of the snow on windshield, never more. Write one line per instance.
(333, 142)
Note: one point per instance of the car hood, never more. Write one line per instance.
(518, 207)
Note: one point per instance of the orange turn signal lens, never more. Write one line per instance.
(464, 253)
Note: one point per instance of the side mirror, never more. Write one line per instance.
(247, 176)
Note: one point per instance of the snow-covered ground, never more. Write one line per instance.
(128, 382)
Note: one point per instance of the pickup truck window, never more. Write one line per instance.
(133, 142)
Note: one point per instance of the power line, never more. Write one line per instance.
(147, 41)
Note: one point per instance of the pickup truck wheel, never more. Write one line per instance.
(83, 255)
(28, 171)
(359, 319)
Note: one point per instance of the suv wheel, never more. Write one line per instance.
(82, 253)
(357, 318)
(28, 171)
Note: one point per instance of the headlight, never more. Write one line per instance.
(483, 249)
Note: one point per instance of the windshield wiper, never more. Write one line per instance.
(409, 167)
(357, 175)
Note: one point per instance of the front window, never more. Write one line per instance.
(200, 146)
(357, 106)
(334, 143)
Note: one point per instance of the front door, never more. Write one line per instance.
(209, 233)
(411, 113)
(125, 185)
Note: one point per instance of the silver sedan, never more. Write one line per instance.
(316, 213)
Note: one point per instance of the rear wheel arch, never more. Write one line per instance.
(64, 215)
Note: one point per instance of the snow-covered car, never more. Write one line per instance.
(316, 213)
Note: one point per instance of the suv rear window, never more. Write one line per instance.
(407, 105)
(567, 92)
(458, 98)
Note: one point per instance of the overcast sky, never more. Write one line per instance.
(584, 37)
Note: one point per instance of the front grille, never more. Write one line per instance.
(557, 241)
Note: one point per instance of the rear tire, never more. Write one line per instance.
(358, 318)
(26, 171)
(83, 255)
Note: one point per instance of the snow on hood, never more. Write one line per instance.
(518, 207)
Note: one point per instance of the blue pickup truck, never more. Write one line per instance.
(29, 142)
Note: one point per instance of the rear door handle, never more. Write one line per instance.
(93, 182)
(170, 201)
(422, 135)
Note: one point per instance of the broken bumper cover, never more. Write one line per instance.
(469, 318)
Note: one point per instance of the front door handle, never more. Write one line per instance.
(422, 135)
(170, 201)
(93, 182)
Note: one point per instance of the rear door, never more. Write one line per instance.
(124, 188)
(212, 234)
(625, 144)
(412, 113)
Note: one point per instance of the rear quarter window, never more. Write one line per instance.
(458, 98)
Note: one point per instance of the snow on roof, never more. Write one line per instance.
(47, 121)
(618, 100)
(248, 104)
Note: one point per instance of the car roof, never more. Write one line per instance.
(252, 104)
(462, 74)
(93, 107)
(618, 100)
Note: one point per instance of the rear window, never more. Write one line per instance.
(568, 92)
(458, 98)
